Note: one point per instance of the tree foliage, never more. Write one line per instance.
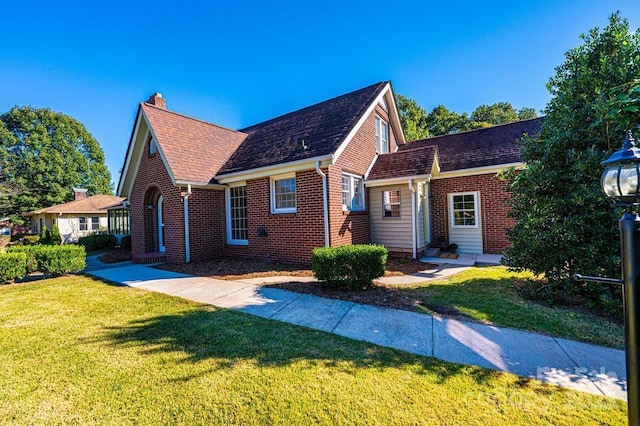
(413, 118)
(564, 224)
(43, 154)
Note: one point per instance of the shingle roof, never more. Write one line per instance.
(322, 127)
(405, 163)
(93, 204)
(478, 148)
(194, 149)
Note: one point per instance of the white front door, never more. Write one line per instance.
(160, 226)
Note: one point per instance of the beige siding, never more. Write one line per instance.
(391, 232)
(420, 200)
(469, 240)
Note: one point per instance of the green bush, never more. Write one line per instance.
(12, 266)
(52, 260)
(98, 242)
(349, 267)
(126, 243)
(55, 235)
(29, 251)
(45, 236)
(31, 240)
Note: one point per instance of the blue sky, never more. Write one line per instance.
(237, 64)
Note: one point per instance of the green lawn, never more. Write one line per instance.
(74, 350)
(488, 295)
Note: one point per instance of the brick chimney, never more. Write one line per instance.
(79, 194)
(157, 100)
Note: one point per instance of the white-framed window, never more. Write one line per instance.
(4, 231)
(83, 223)
(391, 203)
(382, 136)
(464, 209)
(352, 192)
(283, 194)
(237, 224)
(95, 223)
(153, 148)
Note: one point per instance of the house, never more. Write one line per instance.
(77, 218)
(9, 228)
(338, 172)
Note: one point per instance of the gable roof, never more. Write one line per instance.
(490, 146)
(94, 204)
(322, 127)
(194, 150)
(405, 163)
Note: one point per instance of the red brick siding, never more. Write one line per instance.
(153, 174)
(291, 237)
(206, 224)
(493, 208)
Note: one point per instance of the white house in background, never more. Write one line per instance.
(84, 215)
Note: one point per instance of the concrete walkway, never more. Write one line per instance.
(570, 364)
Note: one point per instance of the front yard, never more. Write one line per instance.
(76, 350)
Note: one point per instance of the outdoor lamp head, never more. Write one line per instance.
(621, 177)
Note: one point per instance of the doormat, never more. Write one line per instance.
(448, 256)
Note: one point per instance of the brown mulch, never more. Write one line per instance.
(115, 256)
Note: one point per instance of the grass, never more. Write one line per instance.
(488, 295)
(74, 350)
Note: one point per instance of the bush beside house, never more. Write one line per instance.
(50, 260)
(350, 267)
(98, 242)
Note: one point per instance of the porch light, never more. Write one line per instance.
(621, 177)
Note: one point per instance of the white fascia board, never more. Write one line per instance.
(201, 185)
(159, 147)
(293, 166)
(366, 174)
(396, 181)
(478, 170)
(130, 148)
(394, 115)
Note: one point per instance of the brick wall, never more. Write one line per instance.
(206, 224)
(493, 208)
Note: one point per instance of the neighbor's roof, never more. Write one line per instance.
(322, 127)
(490, 146)
(89, 205)
(194, 149)
(405, 163)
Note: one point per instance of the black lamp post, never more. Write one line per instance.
(621, 183)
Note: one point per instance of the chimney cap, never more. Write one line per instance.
(157, 100)
(79, 189)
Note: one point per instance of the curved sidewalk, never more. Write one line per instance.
(563, 362)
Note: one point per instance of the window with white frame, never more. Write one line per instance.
(95, 223)
(283, 194)
(391, 203)
(382, 136)
(352, 192)
(83, 223)
(238, 230)
(464, 210)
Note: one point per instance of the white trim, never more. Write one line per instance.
(478, 170)
(272, 193)
(352, 192)
(325, 204)
(290, 167)
(127, 160)
(414, 242)
(383, 124)
(160, 151)
(399, 204)
(427, 210)
(476, 208)
(373, 162)
(161, 246)
(393, 181)
(187, 241)
(200, 185)
(227, 202)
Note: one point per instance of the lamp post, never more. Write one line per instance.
(621, 183)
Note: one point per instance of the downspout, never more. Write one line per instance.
(413, 218)
(325, 203)
(187, 243)
(427, 203)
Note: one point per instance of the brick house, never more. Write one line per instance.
(338, 172)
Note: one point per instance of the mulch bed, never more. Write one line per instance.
(115, 256)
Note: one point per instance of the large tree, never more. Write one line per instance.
(413, 117)
(564, 224)
(45, 154)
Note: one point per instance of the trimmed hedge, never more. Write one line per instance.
(12, 266)
(350, 267)
(98, 242)
(52, 260)
(31, 240)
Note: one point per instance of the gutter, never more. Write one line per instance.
(187, 243)
(325, 204)
(413, 218)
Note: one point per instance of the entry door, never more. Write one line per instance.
(160, 225)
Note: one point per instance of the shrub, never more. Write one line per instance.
(17, 237)
(55, 235)
(45, 236)
(126, 243)
(29, 251)
(349, 267)
(12, 266)
(30, 240)
(60, 260)
(98, 242)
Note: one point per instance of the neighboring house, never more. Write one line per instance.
(338, 172)
(77, 218)
(8, 228)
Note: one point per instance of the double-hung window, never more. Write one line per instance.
(283, 194)
(352, 192)
(464, 210)
(382, 136)
(83, 223)
(391, 203)
(95, 223)
(237, 227)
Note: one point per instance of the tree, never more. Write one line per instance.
(564, 224)
(46, 154)
(413, 117)
(498, 113)
(525, 113)
(441, 121)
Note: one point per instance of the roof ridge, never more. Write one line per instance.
(190, 118)
(279, 117)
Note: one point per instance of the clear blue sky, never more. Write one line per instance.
(239, 63)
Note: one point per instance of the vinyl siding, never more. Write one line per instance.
(391, 232)
(469, 240)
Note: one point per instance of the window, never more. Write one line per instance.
(391, 203)
(464, 210)
(352, 192)
(237, 229)
(118, 222)
(153, 148)
(83, 223)
(95, 223)
(283, 195)
(5, 231)
(382, 136)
